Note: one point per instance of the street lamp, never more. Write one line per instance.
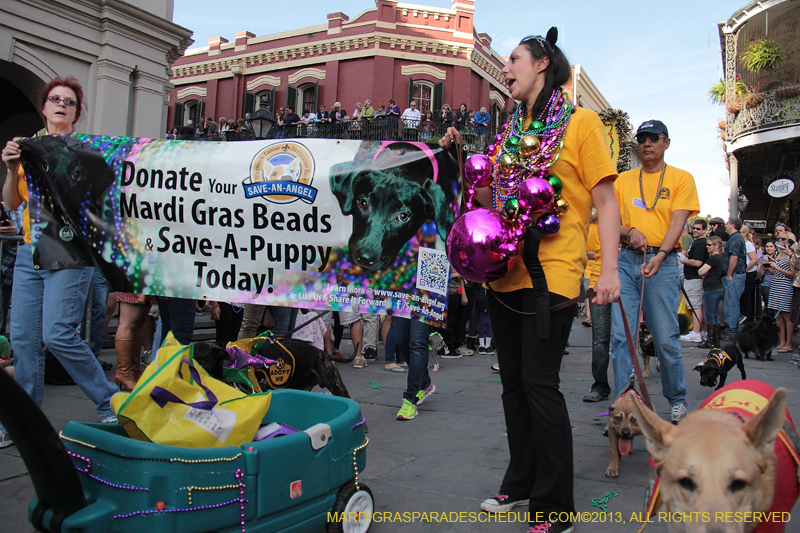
(742, 201)
(262, 121)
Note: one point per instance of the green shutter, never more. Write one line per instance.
(438, 97)
(177, 118)
(291, 97)
(410, 91)
(249, 103)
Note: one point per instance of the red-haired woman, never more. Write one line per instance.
(54, 299)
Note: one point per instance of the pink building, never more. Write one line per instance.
(393, 50)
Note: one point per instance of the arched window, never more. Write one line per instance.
(422, 93)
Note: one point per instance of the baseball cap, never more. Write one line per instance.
(652, 126)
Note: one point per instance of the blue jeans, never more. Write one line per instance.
(601, 339)
(99, 297)
(730, 303)
(411, 341)
(285, 318)
(660, 307)
(390, 353)
(51, 312)
(711, 306)
(177, 315)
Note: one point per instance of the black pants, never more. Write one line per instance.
(746, 301)
(539, 430)
(229, 323)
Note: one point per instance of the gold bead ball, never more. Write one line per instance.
(506, 164)
(561, 206)
(529, 145)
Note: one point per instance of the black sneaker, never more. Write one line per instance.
(370, 354)
(501, 503)
(481, 351)
(550, 527)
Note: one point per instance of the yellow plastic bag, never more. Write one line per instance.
(177, 403)
(683, 309)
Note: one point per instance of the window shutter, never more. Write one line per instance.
(249, 103)
(315, 108)
(199, 110)
(272, 99)
(410, 91)
(493, 125)
(291, 97)
(177, 118)
(438, 97)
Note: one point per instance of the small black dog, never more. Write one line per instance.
(760, 336)
(718, 363)
(303, 367)
(390, 192)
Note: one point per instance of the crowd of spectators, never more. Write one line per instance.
(384, 121)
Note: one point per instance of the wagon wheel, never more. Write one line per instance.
(352, 505)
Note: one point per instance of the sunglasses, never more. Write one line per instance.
(642, 137)
(69, 102)
(698, 229)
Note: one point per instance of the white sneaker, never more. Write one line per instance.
(109, 420)
(5, 439)
(692, 336)
(677, 413)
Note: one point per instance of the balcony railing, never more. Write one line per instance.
(771, 113)
(474, 140)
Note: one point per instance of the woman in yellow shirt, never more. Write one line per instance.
(54, 299)
(540, 471)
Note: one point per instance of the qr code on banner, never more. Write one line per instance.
(432, 270)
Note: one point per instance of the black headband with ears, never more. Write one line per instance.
(552, 36)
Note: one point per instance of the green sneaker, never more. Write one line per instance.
(408, 411)
(424, 393)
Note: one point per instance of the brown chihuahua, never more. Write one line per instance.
(621, 429)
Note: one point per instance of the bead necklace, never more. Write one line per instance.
(529, 153)
(658, 189)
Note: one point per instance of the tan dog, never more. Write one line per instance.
(622, 428)
(722, 459)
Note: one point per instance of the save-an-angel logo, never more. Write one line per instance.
(282, 173)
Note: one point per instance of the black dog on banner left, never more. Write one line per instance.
(390, 191)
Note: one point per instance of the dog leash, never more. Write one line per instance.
(589, 294)
(307, 322)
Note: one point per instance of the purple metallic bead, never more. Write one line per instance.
(498, 138)
(535, 195)
(548, 224)
(505, 126)
(478, 170)
(482, 245)
(491, 150)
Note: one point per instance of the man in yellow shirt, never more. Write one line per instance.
(655, 201)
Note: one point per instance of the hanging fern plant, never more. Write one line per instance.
(718, 91)
(762, 54)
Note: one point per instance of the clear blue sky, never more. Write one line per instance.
(650, 59)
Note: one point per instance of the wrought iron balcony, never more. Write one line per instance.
(771, 113)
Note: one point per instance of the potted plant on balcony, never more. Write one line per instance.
(785, 93)
(762, 54)
(718, 95)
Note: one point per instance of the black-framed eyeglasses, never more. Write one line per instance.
(641, 138)
(69, 102)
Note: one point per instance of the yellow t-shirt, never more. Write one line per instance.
(22, 189)
(677, 192)
(593, 245)
(584, 162)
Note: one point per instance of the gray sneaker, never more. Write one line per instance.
(594, 396)
(5, 439)
(677, 413)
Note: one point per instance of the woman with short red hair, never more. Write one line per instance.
(55, 299)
